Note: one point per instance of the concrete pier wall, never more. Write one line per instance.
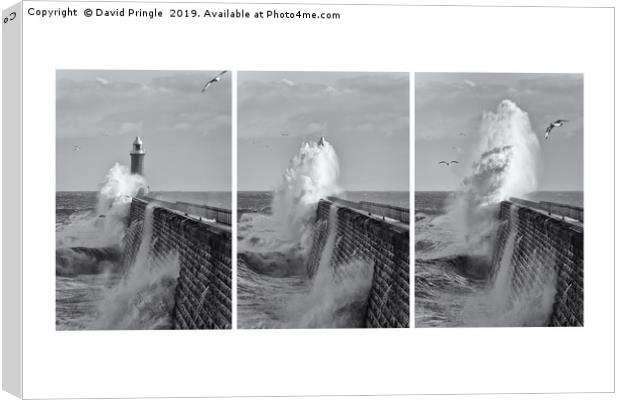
(203, 290)
(545, 246)
(366, 238)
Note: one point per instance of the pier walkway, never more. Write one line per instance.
(217, 216)
(398, 216)
(565, 212)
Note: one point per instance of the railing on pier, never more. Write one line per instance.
(219, 215)
(562, 210)
(384, 210)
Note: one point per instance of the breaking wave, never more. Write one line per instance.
(275, 290)
(454, 245)
(505, 164)
(105, 226)
(286, 233)
(144, 298)
(90, 242)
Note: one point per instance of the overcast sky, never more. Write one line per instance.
(186, 134)
(448, 104)
(365, 116)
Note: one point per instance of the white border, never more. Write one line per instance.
(319, 362)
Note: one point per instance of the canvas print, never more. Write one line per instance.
(323, 201)
(143, 180)
(499, 200)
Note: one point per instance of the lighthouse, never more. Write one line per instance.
(137, 157)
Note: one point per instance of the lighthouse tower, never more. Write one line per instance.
(137, 157)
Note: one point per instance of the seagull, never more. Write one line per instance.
(213, 80)
(555, 124)
(448, 163)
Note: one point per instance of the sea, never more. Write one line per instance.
(261, 201)
(449, 290)
(90, 226)
(274, 290)
(275, 232)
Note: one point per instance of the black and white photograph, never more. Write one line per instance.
(143, 200)
(323, 200)
(499, 199)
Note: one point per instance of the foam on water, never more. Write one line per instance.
(312, 174)
(338, 294)
(106, 227)
(497, 306)
(505, 164)
(274, 287)
(144, 298)
(91, 243)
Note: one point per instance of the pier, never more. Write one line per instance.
(201, 238)
(377, 234)
(548, 243)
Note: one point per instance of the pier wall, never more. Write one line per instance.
(361, 237)
(203, 290)
(545, 247)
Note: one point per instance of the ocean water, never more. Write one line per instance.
(434, 203)
(571, 198)
(93, 289)
(451, 288)
(260, 201)
(70, 203)
(275, 234)
(274, 290)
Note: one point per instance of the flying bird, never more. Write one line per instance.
(554, 124)
(448, 163)
(76, 148)
(213, 80)
(462, 134)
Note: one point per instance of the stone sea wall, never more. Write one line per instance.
(385, 245)
(546, 250)
(203, 290)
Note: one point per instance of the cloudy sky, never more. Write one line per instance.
(365, 116)
(449, 104)
(186, 134)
